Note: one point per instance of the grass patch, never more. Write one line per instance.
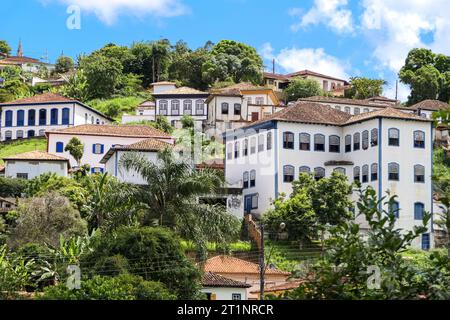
(241, 246)
(116, 107)
(21, 146)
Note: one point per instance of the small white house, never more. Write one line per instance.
(217, 287)
(98, 139)
(32, 164)
(144, 112)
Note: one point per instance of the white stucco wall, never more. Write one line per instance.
(35, 168)
(225, 293)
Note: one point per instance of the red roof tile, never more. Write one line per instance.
(211, 279)
(231, 265)
(36, 155)
(431, 105)
(113, 131)
(41, 98)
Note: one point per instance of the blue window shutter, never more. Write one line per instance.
(93, 148)
(102, 149)
(101, 170)
(92, 170)
(59, 147)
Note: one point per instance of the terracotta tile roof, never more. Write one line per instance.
(182, 90)
(312, 73)
(392, 113)
(430, 105)
(41, 98)
(277, 76)
(145, 145)
(162, 83)
(9, 200)
(356, 102)
(36, 155)
(281, 287)
(113, 131)
(382, 99)
(231, 265)
(19, 60)
(147, 105)
(211, 279)
(218, 163)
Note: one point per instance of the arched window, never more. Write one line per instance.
(85, 118)
(237, 109)
(419, 173)
(338, 108)
(357, 111)
(288, 173)
(92, 119)
(356, 141)
(288, 140)
(30, 133)
(340, 170)
(19, 134)
(236, 149)
(374, 172)
(245, 179)
(229, 151)
(59, 147)
(394, 137)
(54, 116)
(334, 144)
(252, 145)
(393, 171)
(419, 209)
(252, 178)
(163, 106)
(365, 173)
(260, 143)
(225, 108)
(31, 117)
(97, 121)
(305, 141)
(347, 109)
(8, 135)
(245, 147)
(269, 140)
(419, 139)
(394, 208)
(187, 107)
(42, 117)
(304, 169)
(348, 143)
(319, 142)
(8, 118)
(366, 110)
(357, 174)
(374, 137)
(65, 116)
(199, 107)
(20, 118)
(319, 173)
(365, 140)
(41, 132)
(175, 107)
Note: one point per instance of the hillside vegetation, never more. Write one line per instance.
(21, 146)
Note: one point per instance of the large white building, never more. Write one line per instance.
(98, 139)
(30, 117)
(386, 149)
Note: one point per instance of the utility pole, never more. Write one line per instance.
(273, 66)
(396, 89)
(262, 267)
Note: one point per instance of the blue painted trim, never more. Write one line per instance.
(380, 161)
(38, 125)
(116, 163)
(432, 171)
(242, 132)
(276, 159)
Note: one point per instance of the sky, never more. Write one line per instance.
(341, 38)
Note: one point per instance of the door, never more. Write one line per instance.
(248, 204)
(255, 116)
(426, 241)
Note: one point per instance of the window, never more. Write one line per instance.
(365, 173)
(374, 137)
(8, 135)
(288, 140)
(348, 143)
(357, 174)
(245, 147)
(92, 119)
(230, 151)
(366, 110)
(252, 178)
(175, 107)
(394, 208)
(269, 140)
(85, 118)
(8, 118)
(356, 141)
(338, 108)
(54, 116)
(334, 144)
(249, 100)
(288, 173)
(59, 147)
(97, 148)
(19, 134)
(97, 121)
(96, 170)
(237, 109)
(394, 137)
(245, 179)
(236, 296)
(374, 172)
(31, 117)
(419, 209)
(419, 173)
(260, 143)
(236, 149)
(255, 201)
(187, 107)
(347, 109)
(42, 117)
(319, 173)
(365, 140)
(259, 100)
(340, 170)
(319, 142)
(224, 108)
(252, 145)
(30, 133)
(393, 171)
(357, 111)
(20, 118)
(41, 132)
(304, 169)
(22, 176)
(426, 241)
(305, 141)
(163, 107)
(419, 139)
(199, 107)
(65, 116)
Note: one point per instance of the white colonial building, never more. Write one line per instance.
(217, 287)
(386, 149)
(98, 139)
(30, 117)
(144, 112)
(34, 163)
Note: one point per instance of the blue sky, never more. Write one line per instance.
(342, 38)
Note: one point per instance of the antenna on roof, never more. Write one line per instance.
(396, 89)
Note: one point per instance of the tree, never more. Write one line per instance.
(12, 187)
(364, 88)
(42, 220)
(187, 122)
(302, 88)
(64, 64)
(5, 48)
(76, 87)
(76, 149)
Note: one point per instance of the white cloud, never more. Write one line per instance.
(330, 12)
(295, 59)
(108, 10)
